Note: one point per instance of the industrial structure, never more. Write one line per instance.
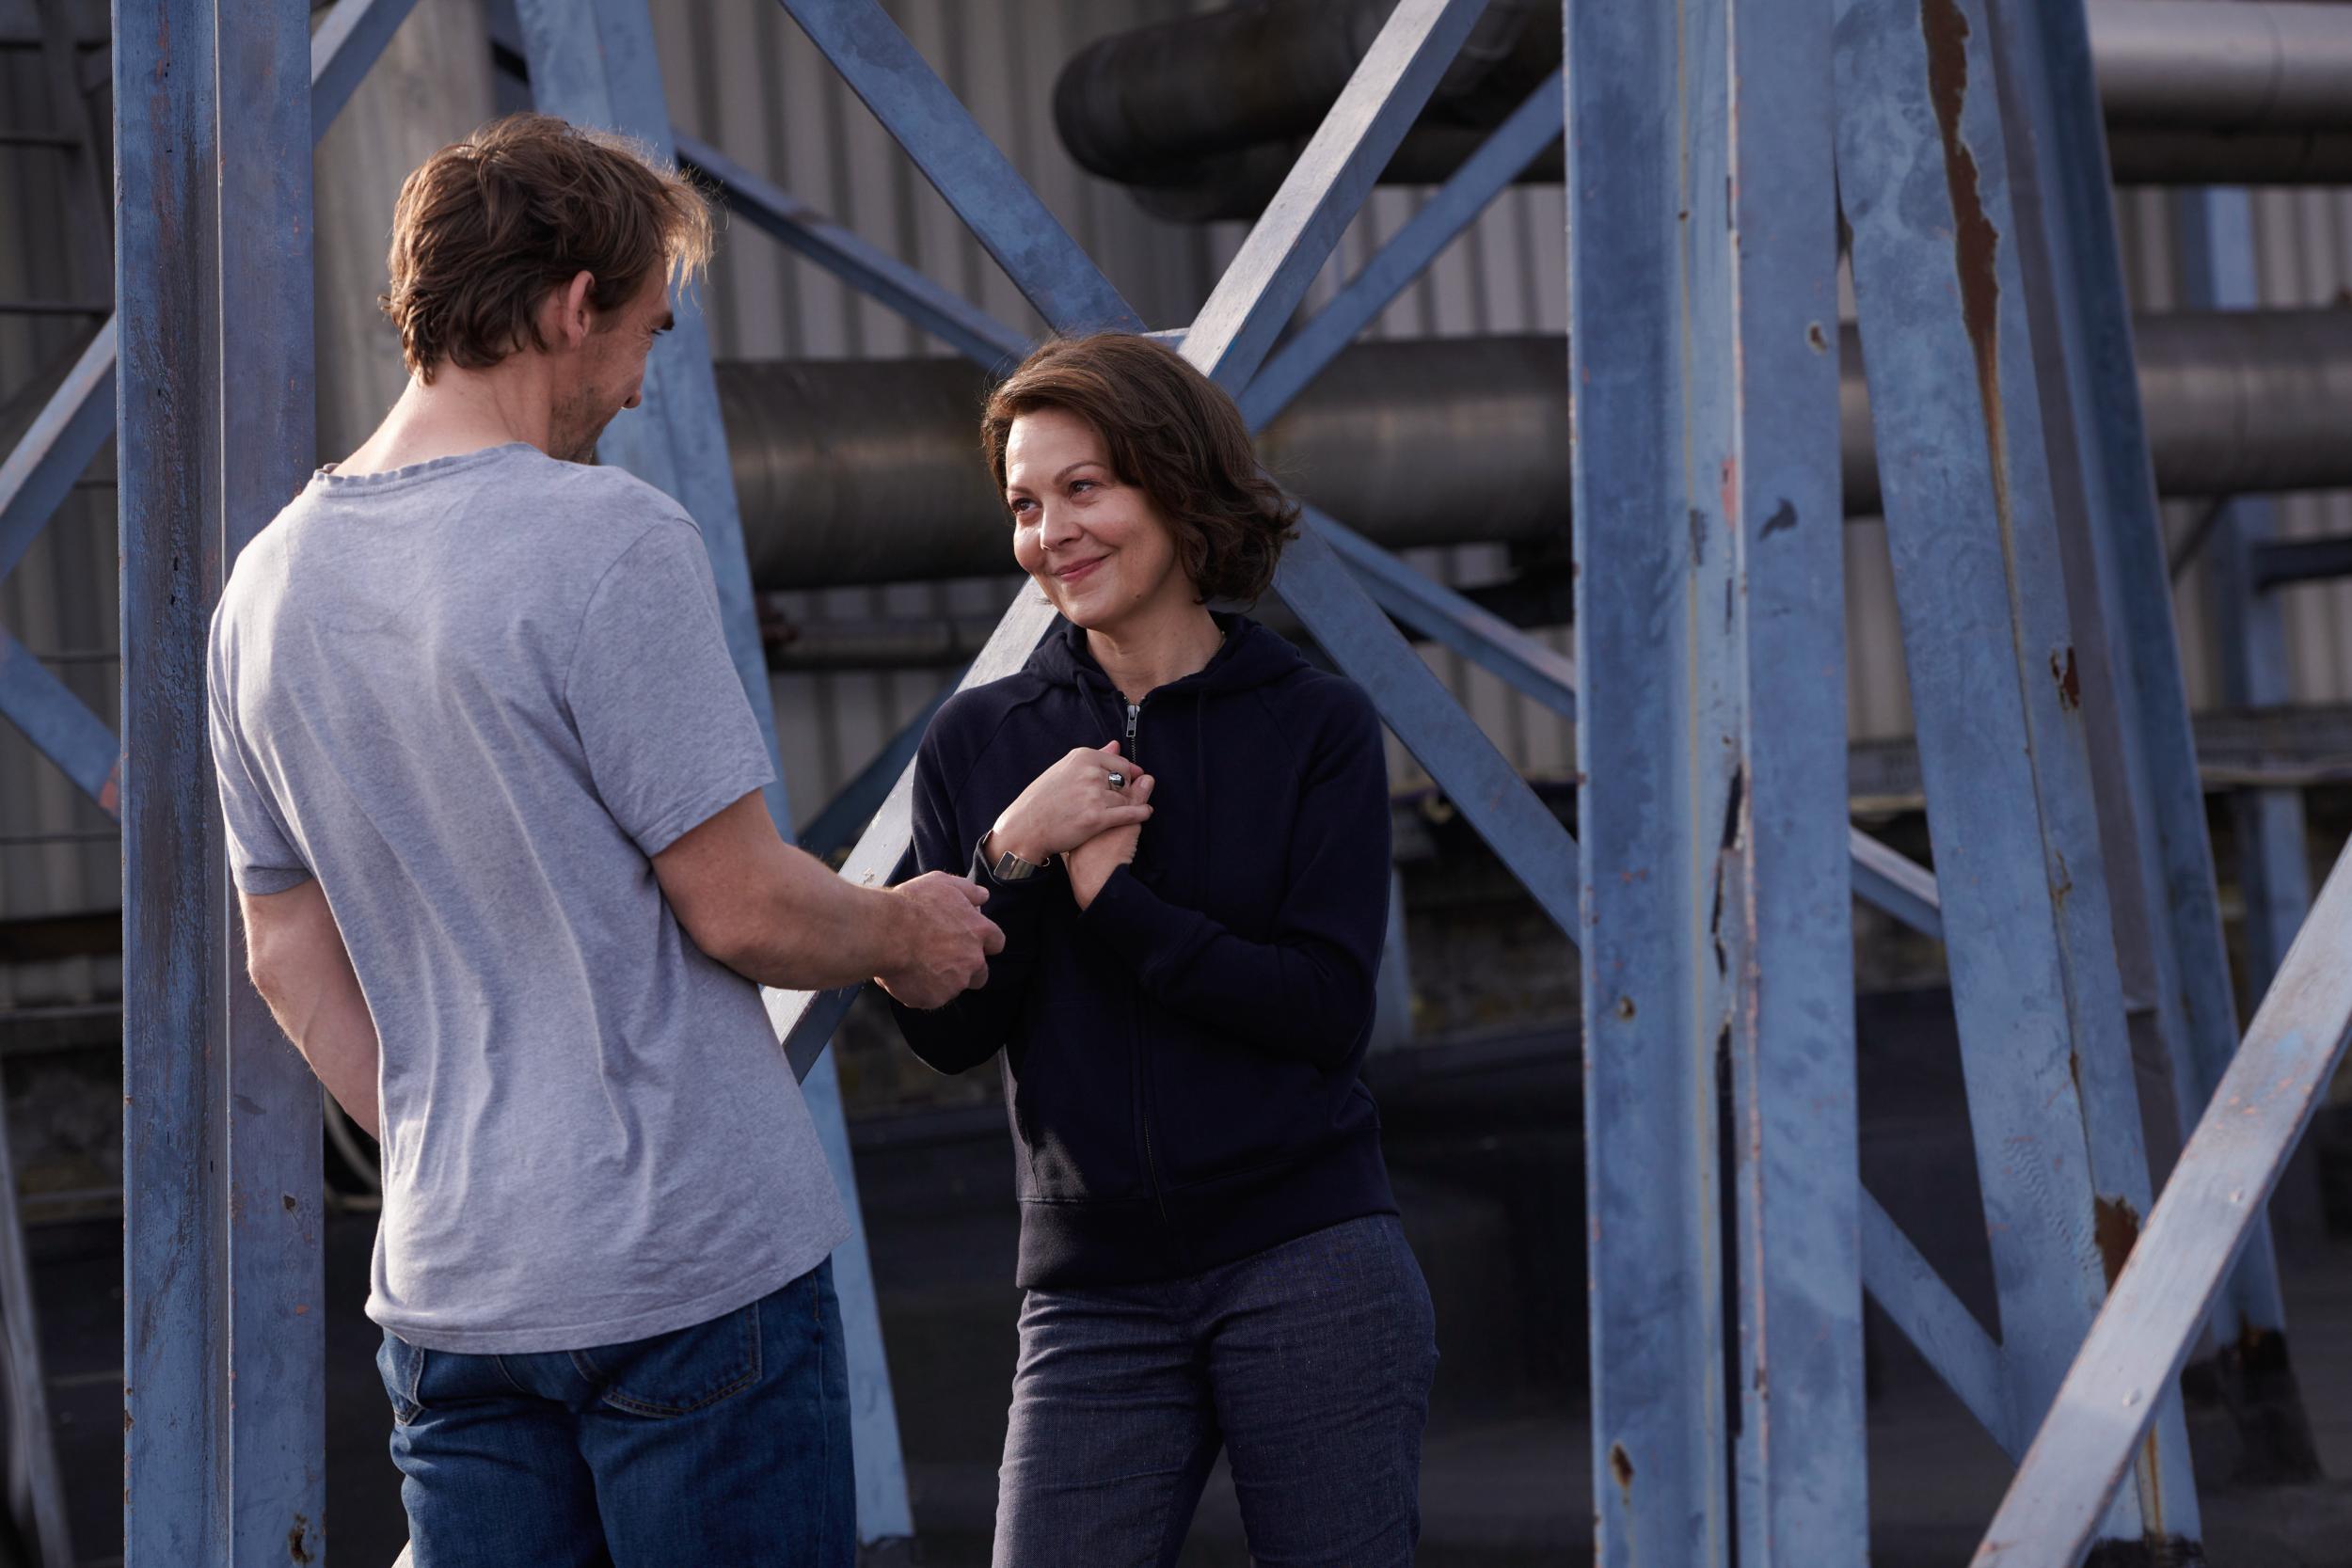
(1828, 270)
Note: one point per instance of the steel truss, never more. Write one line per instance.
(1710, 895)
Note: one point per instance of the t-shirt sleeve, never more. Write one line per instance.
(261, 856)
(669, 735)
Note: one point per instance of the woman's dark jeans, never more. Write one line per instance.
(726, 1445)
(1311, 1363)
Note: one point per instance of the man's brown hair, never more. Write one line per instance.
(486, 226)
(1173, 434)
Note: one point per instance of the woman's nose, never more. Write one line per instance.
(1059, 527)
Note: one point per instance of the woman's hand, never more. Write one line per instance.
(1093, 863)
(1068, 804)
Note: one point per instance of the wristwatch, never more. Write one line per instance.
(1008, 866)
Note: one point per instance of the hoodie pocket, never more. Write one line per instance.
(1226, 1108)
(1072, 1111)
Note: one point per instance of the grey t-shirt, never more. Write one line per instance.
(472, 697)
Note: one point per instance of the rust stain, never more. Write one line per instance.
(288, 1198)
(2116, 1226)
(1621, 1469)
(1625, 1006)
(2069, 686)
(1783, 517)
(1817, 339)
(1976, 243)
(298, 1541)
(1731, 492)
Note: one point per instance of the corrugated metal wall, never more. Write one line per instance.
(741, 75)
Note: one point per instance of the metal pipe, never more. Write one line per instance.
(2241, 66)
(865, 471)
(2256, 92)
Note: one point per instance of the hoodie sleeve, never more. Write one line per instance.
(969, 1029)
(1306, 991)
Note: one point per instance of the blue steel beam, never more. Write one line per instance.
(594, 62)
(66, 435)
(873, 271)
(1291, 240)
(2214, 230)
(1923, 173)
(1532, 668)
(62, 441)
(956, 156)
(277, 1193)
(1721, 1124)
(854, 804)
(344, 48)
(1450, 208)
(2209, 1209)
(1655, 1193)
(176, 1403)
(1478, 779)
(60, 726)
(2073, 264)
(1783, 879)
(1943, 1330)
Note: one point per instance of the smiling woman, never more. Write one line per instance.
(1181, 827)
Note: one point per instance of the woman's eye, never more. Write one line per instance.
(1078, 484)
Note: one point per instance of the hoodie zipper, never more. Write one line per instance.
(1142, 1106)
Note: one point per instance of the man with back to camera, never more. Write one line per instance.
(492, 793)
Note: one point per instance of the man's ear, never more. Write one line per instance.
(567, 315)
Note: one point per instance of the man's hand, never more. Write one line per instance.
(947, 944)
(1093, 863)
(1068, 803)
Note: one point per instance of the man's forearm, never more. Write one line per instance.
(821, 931)
(329, 1023)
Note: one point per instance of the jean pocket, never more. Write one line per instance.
(675, 1373)
(401, 1367)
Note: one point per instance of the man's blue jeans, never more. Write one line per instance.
(726, 1445)
(1311, 1363)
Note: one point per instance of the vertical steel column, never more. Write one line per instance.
(277, 1270)
(175, 1322)
(2213, 231)
(594, 61)
(2072, 267)
(1787, 897)
(1720, 1108)
(1923, 174)
(1653, 779)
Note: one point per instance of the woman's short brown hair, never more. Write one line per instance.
(1174, 435)
(486, 226)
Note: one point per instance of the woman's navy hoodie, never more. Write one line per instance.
(1181, 1057)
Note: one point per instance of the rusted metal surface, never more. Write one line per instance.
(2143, 1334)
(1924, 179)
(2167, 923)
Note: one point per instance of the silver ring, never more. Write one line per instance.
(1118, 780)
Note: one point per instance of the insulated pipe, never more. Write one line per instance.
(2246, 66)
(865, 471)
(2253, 92)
